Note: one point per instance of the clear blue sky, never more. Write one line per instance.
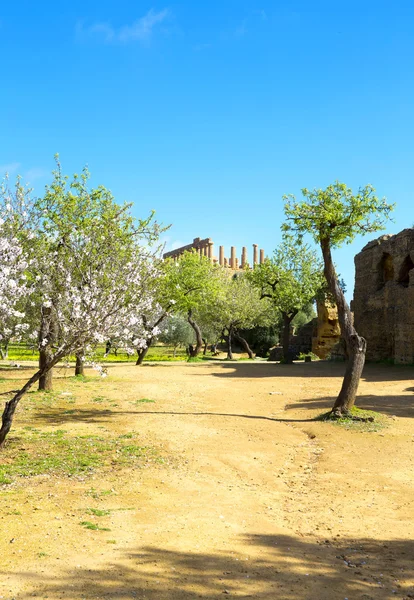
(209, 112)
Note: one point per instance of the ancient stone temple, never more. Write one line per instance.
(206, 248)
(384, 297)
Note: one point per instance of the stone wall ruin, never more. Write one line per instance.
(384, 297)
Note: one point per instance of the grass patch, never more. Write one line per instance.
(144, 401)
(20, 352)
(100, 399)
(97, 494)
(34, 452)
(376, 423)
(83, 378)
(93, 526)
(97, 512)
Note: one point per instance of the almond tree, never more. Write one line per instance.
(335, 216)
(16, 257)
(91, 276)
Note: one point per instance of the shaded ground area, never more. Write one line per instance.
(253, 498)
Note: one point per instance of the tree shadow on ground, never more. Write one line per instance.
(265, 567)
(57, 416)
(372, 372)
(399, 406)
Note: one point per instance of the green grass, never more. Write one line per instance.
(98, 512)
(144, 401)
(93, 526)
(377, 423)
(20, 352)
(97, 495)
(32, 452)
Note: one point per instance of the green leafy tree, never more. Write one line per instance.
(333, 217)
(238, 306)
(73, 215)
(189, 283)
(177, 332)
(291, 279)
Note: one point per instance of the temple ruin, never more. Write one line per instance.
(206, 248)
(384, 297)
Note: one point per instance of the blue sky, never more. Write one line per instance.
(208, 112)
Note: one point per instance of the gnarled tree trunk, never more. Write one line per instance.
(11, 405)
(243, 343)
(287, 320)
(46, 379)
(142, 353)
(355, 344)
(199, 338)
(230, 343)
(79, 368)
(48, 331)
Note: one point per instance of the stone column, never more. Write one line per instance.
(262, 258)
(221, 256)
(244, 257)
(255, 254)
(233, 257)
(225, 262)
(237, 264)
(210, 251)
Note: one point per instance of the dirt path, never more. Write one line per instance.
(256, 500)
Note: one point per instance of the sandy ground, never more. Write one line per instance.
(255, 499)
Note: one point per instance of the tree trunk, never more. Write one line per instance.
(230, 343)
(244, 343)
(205, 347)
(355, 345)
(199, 339)
(46, 379)
(142, 353)
(48, 331)
(287, 319)
(11, 405)
(5, 351)
(79, 368)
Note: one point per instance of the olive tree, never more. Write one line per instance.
(291, 280)
(236, 307)
(333, 217)
(189, 283)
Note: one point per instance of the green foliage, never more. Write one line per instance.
(188, 283)
(261, 338)
(291, 279)
(177, 332)
(336, 213)
(304, 355)
(236, 305)
(304, 316)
